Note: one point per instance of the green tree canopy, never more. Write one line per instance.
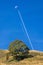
(18, 46)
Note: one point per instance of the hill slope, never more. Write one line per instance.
(35, 58)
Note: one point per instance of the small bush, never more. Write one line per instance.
(18, 48)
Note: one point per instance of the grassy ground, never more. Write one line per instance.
(34, 58)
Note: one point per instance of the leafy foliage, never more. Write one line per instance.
(18, 48)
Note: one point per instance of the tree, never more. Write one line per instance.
(18, 48)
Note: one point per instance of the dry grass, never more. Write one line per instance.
(37, 59)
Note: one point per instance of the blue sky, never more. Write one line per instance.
(10, 23)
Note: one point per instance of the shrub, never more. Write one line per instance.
(18, 48)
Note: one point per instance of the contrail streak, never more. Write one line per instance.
(25, 28)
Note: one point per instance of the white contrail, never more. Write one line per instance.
(24, 26)
(16, 7)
